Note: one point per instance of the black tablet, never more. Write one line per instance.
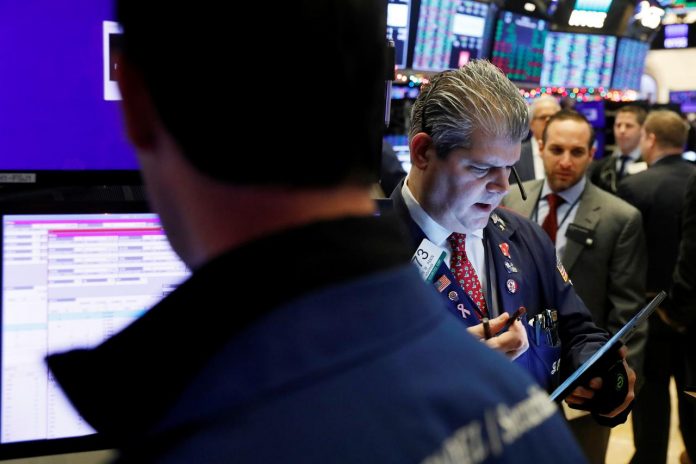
(621, 336)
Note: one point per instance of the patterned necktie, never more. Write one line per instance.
(622, 169)
(464, 272)
(550, 224)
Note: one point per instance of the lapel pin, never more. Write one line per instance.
(505, 248)
(465, 312)
(442, 283)
(452, 295)
(561, 270)
(511, 286)
(498, 221)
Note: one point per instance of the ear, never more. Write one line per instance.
(140, 116)
(541, 147)
(593, 150)
(422, 150)
(651, 138)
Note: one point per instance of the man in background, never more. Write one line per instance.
(304, 334)
(679, 310)
(659, 193)
(599, 239)
(530, 166)
(466, 128)
(607, 172)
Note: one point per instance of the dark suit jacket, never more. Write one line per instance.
(682, 303)
(609, 273)
(658, 193)
(539, 281)
(602, 173)
(525, 166)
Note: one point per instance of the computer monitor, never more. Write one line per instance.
(399, 144)
(686, 99)
(72, 276)
(630, 62)
(593, 111)
(518, 48)
(59, 99)
(578, 60)
(451, 33)
(398, 18)
(676, 35)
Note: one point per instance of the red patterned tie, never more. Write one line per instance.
(464, 272)
(550, 224)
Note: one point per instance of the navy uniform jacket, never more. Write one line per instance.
(345, 357)
(538, 282)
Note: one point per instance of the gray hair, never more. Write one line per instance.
(543, 99)
(476, 96)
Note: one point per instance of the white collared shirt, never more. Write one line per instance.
(539, 171)
(438, 235)
(565, 212)
(633, 158)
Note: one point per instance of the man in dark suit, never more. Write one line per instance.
(680, 308)
(607, 172)
(304, 333)
(466, 128)
(658, 193)
(599, 239)
(679, 311)
(530, 166)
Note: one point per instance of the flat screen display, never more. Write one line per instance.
(686, 99)
(578, 60)
(630, 62)
(59, 100)
(70, 281)
(450, 34)
(518, 48)
(398, 14)
(676, 36)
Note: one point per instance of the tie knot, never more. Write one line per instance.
(456, 239)
(554, 200)
(457, 242)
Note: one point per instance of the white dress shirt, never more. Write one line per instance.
(438, 235)
(633, 163)
(565, 212)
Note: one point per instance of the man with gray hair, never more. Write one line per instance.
(530, 166)
(466, 129)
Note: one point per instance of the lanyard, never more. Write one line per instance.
(535, 214)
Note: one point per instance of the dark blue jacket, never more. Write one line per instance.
(366, 369)
(538, 282)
